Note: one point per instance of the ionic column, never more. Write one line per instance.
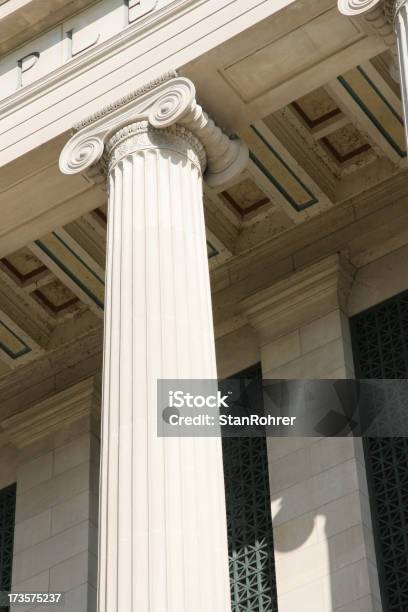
(398, 15)
(163, 545)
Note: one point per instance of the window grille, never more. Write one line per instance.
(249, 521)
(380, 346)
(7, 518)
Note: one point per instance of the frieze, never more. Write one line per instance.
(69, 40)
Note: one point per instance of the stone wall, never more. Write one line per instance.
(57, 475)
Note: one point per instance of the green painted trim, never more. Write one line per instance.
(213, 251)
(272, 179)
(101, 280)
(68, 272)
(8, 351)
(369, 114)
(380, 95)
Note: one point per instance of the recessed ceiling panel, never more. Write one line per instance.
(316, 107)
(346, 143)
(245, 197)
(23, 266)
(56, 298)
(292, 54)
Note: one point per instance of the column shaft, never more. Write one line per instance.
(163, 545)
(401, 31)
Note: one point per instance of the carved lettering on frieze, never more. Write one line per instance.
(75, 48)
(89, 28)
(25, 64)
(138, 8)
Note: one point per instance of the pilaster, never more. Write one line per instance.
(324, 550)
(57, 450)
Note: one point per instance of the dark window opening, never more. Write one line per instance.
(7, 521)
(380, 347)
(249, 521)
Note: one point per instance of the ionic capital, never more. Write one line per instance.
(168, 101)
(392, 8)
(141, 136)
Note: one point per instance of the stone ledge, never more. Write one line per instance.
(48, 416)
(288, 303)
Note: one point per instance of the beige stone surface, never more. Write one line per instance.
(71, 455)
(35, 472)
(31, 531)
(52, 492)
(55, 546)
(236, 351)
(71, 512)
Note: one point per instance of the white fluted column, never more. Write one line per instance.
(163, 544)
(398, 13)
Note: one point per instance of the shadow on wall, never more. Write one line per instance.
(323, 543)
(314, 491)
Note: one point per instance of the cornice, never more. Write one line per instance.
(163, 103)
(48, 416)
(327, 283)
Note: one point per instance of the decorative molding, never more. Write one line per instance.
(130, 97)
(48, 416)
(163, 103)
(323, 286)
(392, 8)
(142, 135)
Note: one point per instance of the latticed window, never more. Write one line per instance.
(380, 343)
(249, 522)
(7, 517)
